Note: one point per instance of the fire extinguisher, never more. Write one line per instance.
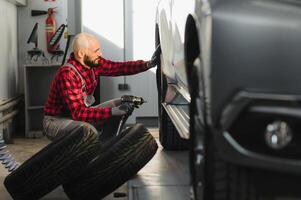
(50, 29)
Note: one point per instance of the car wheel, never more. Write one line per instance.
(226, 181)
(168, 134)
(55, 164)
(211, 177)
(197, 131)
(118, 162)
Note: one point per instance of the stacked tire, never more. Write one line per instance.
(80, 159)
(114, 166)
(57, 163)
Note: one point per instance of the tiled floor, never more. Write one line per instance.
(165, 174)
(165, 177)
(22, 149)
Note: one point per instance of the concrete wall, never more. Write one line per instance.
(8, 50)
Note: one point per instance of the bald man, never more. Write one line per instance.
(70, 101)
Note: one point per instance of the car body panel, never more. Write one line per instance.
(172, 36)
(164, 19)
(180, 11)
(254, 48)
(248, 46)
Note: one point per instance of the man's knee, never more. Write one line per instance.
(57, 127)
(89, 129)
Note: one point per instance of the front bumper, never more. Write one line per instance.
(238, 150)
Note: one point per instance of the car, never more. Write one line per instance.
(229, 91)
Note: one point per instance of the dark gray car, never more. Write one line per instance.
(229, 89)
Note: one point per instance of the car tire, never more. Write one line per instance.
(168, 134)
(55, 164)
(197, 132)
(118, 163)
(224, 180)
(211, 177)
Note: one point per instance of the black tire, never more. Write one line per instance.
(55, 164)
(168, 134)
(115, 166)
(211, 177)
(225, 181)
(197, 131)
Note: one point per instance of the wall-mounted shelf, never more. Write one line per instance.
(38, 79)
(18, 2)
(35, 107)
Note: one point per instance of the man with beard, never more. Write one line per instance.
(71, 98)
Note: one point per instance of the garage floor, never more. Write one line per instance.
(164, 177)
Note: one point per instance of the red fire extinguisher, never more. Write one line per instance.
(50, 29)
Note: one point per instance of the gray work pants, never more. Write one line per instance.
(55, 127)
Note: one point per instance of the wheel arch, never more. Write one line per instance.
(191, 46)
(158, 71)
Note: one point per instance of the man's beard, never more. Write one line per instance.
(89, 62)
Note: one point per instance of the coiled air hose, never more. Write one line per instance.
(7, 160)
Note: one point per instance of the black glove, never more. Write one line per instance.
(123, 109)
(110, 104)
(155, 58)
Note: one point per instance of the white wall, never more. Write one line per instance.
(119, 41)
(126, 33)
(25, 24)
(8, 50)
(143, 46)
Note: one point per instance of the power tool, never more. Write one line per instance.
(135, 101)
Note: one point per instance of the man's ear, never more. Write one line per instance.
(81, 53)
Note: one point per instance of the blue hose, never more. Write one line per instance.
(6, 158)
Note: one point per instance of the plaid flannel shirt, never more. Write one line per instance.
(66, 96)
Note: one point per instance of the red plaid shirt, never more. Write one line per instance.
(66, 96)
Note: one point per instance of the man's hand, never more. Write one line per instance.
(155, 58)
(123, 109)
(110, 104)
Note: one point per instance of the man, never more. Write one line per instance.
(71, 96)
